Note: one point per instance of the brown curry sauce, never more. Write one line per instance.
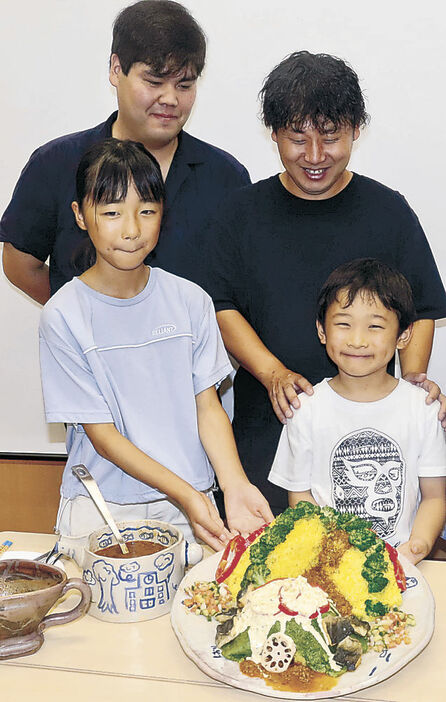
(297, 678)
(136, 548)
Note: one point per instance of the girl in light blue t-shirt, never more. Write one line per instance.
(130, 356)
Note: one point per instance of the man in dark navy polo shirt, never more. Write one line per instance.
(158, 53)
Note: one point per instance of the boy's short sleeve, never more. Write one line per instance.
(70, 391)
(210, 364)
(292, 463)
(432, 459)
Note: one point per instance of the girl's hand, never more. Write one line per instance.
(415, 550)
(205, 520)
(246, 508)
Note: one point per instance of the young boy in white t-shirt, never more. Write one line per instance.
(366, 442)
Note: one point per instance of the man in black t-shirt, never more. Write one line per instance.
(275, 243)
(158, 53)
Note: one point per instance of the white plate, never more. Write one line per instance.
(27, 556)
(197, 637)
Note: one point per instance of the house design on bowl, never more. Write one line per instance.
(143, 585)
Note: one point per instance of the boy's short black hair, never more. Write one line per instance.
(162, 34)
(316, 89)
(375, 278)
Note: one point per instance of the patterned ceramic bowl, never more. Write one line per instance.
(137, 588)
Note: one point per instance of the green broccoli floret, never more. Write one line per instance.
(286, 520)
(328, 517)
(344, 519)
(362, 538)
(377, 609)
(305, 509)
(275, 536)
(375, 563)
(287, 513)
(377, 584)
(357, 524)
(255, 574)
(374, 569)
(272, 537)
(328, 511)
(260, 550)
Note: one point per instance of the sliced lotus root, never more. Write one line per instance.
(277, 653)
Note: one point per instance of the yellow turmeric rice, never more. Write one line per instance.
(319, 545)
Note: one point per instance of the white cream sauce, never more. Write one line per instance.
(299, 596)
(261, 611)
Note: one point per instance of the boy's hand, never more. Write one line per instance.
(246, 508)
(283, 388)
(433, 392)
(415, 550)
(206, 522)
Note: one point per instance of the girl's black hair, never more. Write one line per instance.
(104, 174)
(107, 168)
(316, 89)
(374, 278)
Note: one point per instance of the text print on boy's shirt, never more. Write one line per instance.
(106, 364)
(368, 474)
(363, 457)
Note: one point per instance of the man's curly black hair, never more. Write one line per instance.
(316, 89)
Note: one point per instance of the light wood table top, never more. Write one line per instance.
(93, 660)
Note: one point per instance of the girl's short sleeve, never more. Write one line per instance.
(210, 364)
(70, 391)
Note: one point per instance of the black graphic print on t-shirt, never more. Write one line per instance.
(368, 474)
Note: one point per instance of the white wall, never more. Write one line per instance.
(53, 81)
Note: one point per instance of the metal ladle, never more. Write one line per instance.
(90, 484)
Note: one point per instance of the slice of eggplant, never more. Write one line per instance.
(348, 653)
(226, 614)
(359, 627)
(337, 628)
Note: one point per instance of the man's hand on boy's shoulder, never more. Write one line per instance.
(284, 386)
(433, 393)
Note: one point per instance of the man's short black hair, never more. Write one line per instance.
(316, 89)
(374, 278)
(162, 34)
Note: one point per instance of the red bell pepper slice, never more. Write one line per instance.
(233, 552)
(397, 567)
(231, 556)
(285, 610)
(254, 534)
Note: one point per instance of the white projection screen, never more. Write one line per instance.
(54, 80)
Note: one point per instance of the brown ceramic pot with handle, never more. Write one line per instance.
(23, 613)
